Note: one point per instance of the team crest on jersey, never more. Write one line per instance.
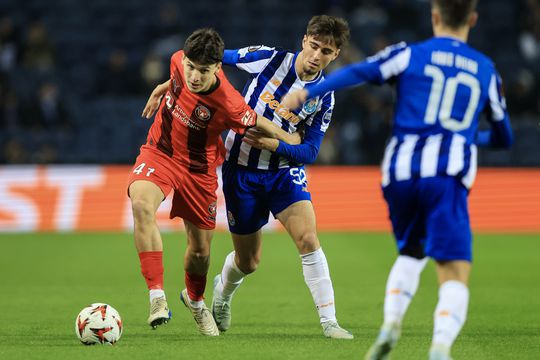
(311, 106)
(212, 211)
(202, 113)
(230, 218)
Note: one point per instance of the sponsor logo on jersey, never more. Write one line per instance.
(254, 48)
(278, 108)
(249, 119)
(202, 113)
(326, 120)
(275, 82)
(212, 211)
(311, 106)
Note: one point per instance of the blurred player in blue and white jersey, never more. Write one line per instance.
(443, 86)
(263, 175)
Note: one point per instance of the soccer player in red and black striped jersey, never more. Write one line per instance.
(182, 151)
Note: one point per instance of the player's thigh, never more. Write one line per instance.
(288, 186)
(195, 199)
(299, 220)
(248, 250)
(407, 220)
(145, 194)
(245, 199)
(149, 181)
(449, 236)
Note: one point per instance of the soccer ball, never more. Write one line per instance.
(98, 324)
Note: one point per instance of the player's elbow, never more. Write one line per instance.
(311, 155)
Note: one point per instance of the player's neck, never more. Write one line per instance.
(461, 34)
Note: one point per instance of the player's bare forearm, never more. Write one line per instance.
(273, 131)
(153, 101)
(259, 140)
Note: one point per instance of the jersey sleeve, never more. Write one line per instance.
(252, 59)
(377, 69)
(500, 135)
(316, 126)
(241, 115)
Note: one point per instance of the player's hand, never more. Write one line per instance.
(152, 104)
(258, 140)
(295, 138)
(295, 99)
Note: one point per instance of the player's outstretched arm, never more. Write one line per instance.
(273, 131)
(153, 101)
(295, 99)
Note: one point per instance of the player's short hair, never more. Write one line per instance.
(329, 28)
(204, 47)
(455, 13)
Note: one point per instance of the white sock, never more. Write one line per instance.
(401, 286)
(231, 278)
(196, 304)
(450, 313)
(155, 293)
(317, 277)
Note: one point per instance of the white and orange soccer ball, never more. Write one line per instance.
(98, 324)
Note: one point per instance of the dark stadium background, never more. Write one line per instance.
(74, 75)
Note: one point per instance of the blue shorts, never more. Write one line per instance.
(430, 218)
(250, 195)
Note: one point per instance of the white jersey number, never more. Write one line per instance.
(139, 169)
(299, 176)
(443, 92)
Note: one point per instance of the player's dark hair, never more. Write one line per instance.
(329, 28)
(455, 13)
(204, 47)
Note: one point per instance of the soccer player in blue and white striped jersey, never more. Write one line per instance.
(263, 175)
(443, 86)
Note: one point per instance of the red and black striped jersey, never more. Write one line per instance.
(188, 126)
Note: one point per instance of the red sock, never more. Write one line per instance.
(195, 285)
(152, 268)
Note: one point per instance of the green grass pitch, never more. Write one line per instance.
(47, 278)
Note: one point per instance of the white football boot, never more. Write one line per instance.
(159, 312)
(332, 330)
(386, 341)
(203, 317)
(221, 310)
(439, 352)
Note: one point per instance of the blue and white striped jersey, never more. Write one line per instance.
(443, 86)
(273, 75)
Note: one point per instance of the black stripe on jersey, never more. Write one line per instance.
(196, 142)
(175, 89)
(164, 143)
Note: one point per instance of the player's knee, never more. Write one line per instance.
(198, 251)
(143, 211)
(249, 265)
(308, 242)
